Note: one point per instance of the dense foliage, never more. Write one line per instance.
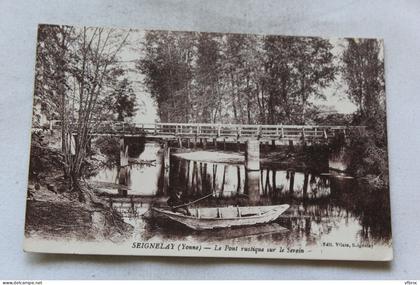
(363, 71)
(233, 78)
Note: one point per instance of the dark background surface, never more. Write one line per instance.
(397, 22)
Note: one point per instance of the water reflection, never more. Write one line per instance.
(263, 187)
(322, 206)
(136, 178)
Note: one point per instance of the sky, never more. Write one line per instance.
(335, 93)
(147, 109)
(336, 98)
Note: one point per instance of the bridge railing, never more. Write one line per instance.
(231, 131)
(220, 130)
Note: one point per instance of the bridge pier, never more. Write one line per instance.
(123, 153)
(252, 155)
(180, 142)
(123, 170)
(123, 180)
(166, 166)
(305, 184)
(291, 146)
(291, 181)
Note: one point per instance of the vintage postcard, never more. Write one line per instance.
(208, 144)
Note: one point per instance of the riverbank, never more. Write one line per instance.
(55, 214)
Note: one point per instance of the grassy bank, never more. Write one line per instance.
(52, 215)
(55, 211)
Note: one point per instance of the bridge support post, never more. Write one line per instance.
(291, 147)
(305, 184)
(180, 142)
(123, 153)
(204, 143)
(215, 143)
(123, 171)
(292, 181)
(166, 166)
(252, 155)
(123, 180)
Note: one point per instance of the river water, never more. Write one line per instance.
(324, 207)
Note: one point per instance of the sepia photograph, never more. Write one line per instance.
(184, 143)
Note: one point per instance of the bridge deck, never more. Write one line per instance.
(223, 131)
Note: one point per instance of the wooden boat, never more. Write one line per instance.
(224, 217)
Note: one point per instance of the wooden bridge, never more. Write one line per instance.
(251, 135)
(232, 132)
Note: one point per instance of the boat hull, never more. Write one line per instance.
(225, 217)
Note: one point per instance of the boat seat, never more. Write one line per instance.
(208, 213)
(229, 212)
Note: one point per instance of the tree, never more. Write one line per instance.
(94, 69)
(297, 68)
(235, 78)
(124, 100)
(315, 69)
(207, 74)
(166, 64)
(77, 71)
(363, 72)
(279, 81)
(242, 74)
(52, 57)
